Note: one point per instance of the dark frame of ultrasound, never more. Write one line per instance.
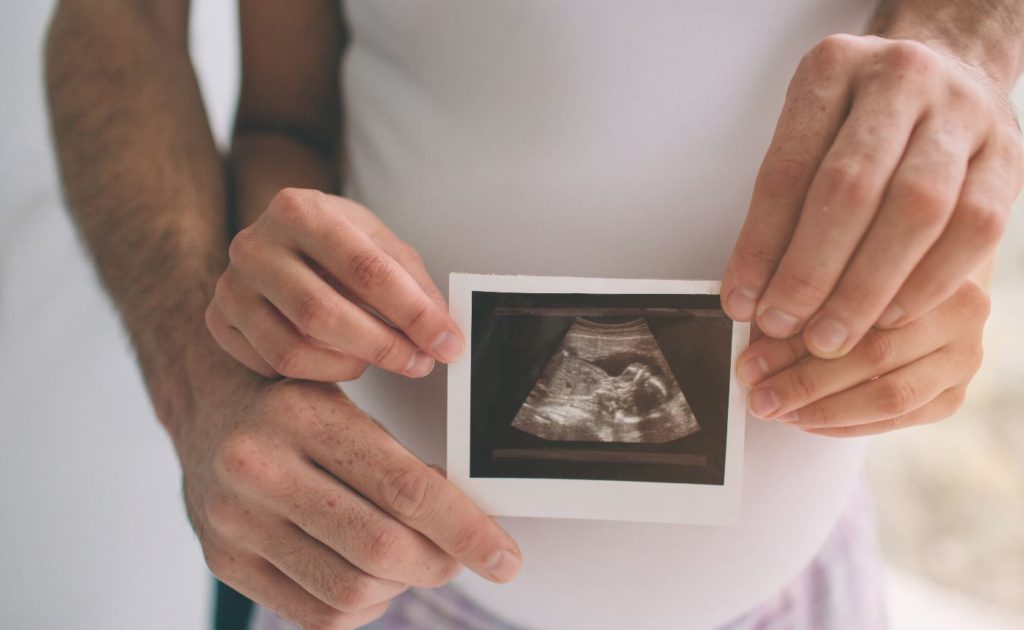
(510, 351)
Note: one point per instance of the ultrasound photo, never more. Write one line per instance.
(599, 386)
(592, 386)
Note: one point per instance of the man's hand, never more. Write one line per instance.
(888, 181)
(893, 378)
(306, 505)
(306, 288)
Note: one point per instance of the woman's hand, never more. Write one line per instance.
(893, 378)
(318, 288)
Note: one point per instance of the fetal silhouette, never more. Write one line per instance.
(607, 382)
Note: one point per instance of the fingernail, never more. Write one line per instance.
(502, 565)
(890, 316)
(448, 347)
(778, 324)
(752, 370)
(741, 303)
(828, 335)
(763, 403)
(792, 416)
(420, 364)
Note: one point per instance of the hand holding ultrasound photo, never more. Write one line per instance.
(596, 398)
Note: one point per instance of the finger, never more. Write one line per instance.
(351, 256)
(889, 396)
(412, 262)
(916, 208)
(415, 494)
(320, 312)
(234, 342)
(405, 254)
(364, 535)
(840, 205)
(942, 407)
(989, 188)
(280, 345)
(322, 572)
(816, 103)
(766, 356)
(880, 352)
(264, 583)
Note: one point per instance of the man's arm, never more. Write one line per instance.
(287, 126)
(299, 500)
(143, 179)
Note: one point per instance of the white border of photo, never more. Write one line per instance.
(657, 502)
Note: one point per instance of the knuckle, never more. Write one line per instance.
(972, 300)
(847, 179)
(803, 289)
(909, 56)
(316, 314)
(802, 384)
(384, 351)
(820, 415)
(817, 415)
(385, 549)
(407, 493)
(925, 205)
(419, 316)
(829, 54)
(878, 349)
(466, 539)
(243, 247)
(294, 206)
(353, 594)
(410, 253)
(234, 456)
(211, 318)
(288, 361)
(897, 397)
(370, 270)
(985, 222)
(242, 460)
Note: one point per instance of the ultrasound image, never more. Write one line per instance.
(607, 382)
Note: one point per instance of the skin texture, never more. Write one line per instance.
(298, 499)
(888, 182)
(894, 378)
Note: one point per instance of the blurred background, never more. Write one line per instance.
(92, 530)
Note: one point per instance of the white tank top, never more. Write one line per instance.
(585, 138)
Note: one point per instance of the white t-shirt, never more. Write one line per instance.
(587, 138)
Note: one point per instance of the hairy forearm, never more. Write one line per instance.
(987, 33)
(143, 181)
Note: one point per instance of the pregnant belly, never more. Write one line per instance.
(592, 574)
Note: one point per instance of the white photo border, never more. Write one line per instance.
(644, 501)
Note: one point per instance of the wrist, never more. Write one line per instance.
(185, 371)
(986, 45)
